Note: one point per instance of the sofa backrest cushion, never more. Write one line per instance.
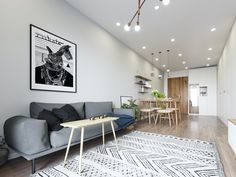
(36, 108)
(93, 109)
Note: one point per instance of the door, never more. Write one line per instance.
(178, 89)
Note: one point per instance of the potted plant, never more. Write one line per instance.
(131, 105)
(159, 95)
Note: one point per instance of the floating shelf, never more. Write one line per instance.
(143, 78)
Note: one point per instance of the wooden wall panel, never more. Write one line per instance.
(178, 89)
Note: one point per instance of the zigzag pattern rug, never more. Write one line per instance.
(141, 154)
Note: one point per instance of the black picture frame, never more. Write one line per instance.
(53, 62)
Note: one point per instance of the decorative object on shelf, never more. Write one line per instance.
(50, 56)
(131, 105)
(143, 82)
(137, 27)
(3, 152)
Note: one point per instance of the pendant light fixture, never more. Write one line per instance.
(160, 58)
(168, 67)
(137, 26)
(152, 73)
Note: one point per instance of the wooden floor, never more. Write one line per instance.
(199, 127)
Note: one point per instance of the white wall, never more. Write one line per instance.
(106, 67)
(227, 80)
(203, 77)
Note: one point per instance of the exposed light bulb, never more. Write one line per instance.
(166, 2)
(157, 7)
(127, 27)
(137, 27)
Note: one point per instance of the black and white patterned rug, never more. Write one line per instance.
(142, 154)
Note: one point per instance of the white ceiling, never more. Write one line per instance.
(188, 21)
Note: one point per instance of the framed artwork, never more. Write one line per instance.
(53, 62)
(203, 91)
(124, 99)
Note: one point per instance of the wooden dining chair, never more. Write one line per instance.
(146, 110)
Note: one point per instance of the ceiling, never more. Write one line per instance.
(188, 21)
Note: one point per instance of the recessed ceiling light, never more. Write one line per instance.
(157, 7)
(163, 66)
(144, 47)
(184, 62)
(186, 67)
(157, 59)
(213, 29)
(117, 24)
(168, 70)
(207, 65)
(208, 58)
(210, 49)
(172, 40)
(180, 54)
(166, 2)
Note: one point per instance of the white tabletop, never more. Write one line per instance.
(87, 122)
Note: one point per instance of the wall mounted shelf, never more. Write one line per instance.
(142, 81)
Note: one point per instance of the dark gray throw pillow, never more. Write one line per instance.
(51, 119)
(66, 113)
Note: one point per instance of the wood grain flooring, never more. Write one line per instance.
(197, 127)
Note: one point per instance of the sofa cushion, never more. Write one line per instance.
(36, 108)
(60, 138)
(66, 113)
(51, 119)
(97, 108)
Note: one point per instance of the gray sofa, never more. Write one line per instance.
(30, 138)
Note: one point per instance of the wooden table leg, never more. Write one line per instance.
(68, 146)
(103, 135)
(81, 149)
(114, 133)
